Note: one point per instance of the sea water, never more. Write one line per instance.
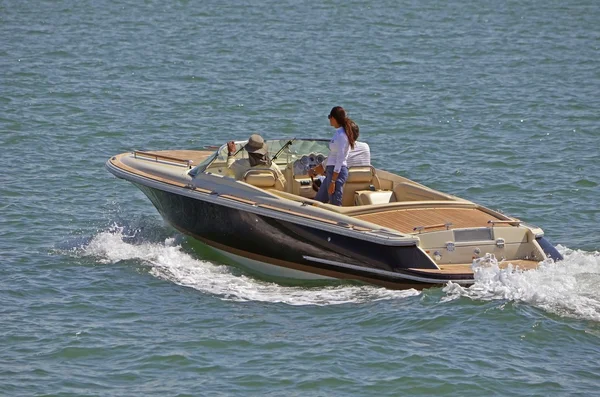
(494, 102)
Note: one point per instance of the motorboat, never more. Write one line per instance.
(390, 231)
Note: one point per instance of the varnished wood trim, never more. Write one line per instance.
(241, 200)
(202, 190)
(157, 156)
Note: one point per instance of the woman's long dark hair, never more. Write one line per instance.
(339, 114)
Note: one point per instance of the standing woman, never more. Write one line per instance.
(336, 172)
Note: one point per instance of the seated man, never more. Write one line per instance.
(258, 157)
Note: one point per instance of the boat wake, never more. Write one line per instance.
(167, 260)
(568, 288)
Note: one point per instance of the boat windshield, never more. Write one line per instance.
(297, 148)
(292, 151)
(204, 164)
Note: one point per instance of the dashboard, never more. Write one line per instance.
(307, 161)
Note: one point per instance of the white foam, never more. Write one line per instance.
(568, 288)
(168, 261)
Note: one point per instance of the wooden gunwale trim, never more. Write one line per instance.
(197, 156)
(241, 200)
(161, 156)
(201, 190)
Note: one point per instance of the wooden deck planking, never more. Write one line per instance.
(404, 220)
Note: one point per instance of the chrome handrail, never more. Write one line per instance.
(421, 228)
(141, 153)
(516, 221)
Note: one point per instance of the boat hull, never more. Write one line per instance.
(266, 269)
(280, 246)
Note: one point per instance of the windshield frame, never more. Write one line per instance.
(274, 146)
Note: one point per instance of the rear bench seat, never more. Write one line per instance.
(368, 197)
(402, 192)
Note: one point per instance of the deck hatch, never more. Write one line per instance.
(479, 234)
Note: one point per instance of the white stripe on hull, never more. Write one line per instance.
(271, 270)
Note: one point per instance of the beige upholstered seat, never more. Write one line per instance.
(263, 178)
(368, 197)
(359, 178)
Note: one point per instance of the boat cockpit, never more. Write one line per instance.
(294, 157)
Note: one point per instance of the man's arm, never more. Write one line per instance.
(230, 152)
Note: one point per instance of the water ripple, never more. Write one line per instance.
(496, 103)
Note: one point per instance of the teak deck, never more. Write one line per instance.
(405, 220)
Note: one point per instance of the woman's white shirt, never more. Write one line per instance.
(360, 155)
(338, 150)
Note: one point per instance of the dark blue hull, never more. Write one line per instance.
(293, 245)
